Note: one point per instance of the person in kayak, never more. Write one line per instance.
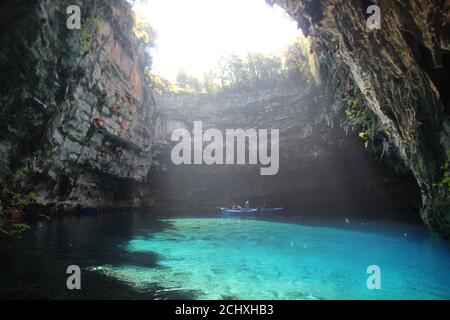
(236, 206)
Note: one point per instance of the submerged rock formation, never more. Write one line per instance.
(76, 112)
(402, 70)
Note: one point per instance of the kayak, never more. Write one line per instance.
(250, 210)
(271, 210)
(238, 211)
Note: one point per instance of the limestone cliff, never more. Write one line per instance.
(324, 167)
(402, 70)
(76, 112)
(80, 120)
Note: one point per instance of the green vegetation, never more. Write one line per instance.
(143, 30)
(160, 85)
(296, 66)
(361, 117)
(188, 82)
(300, 61)
(86, 34)
(444, 183)
(145, 34)
(256, 70)
(15, 195)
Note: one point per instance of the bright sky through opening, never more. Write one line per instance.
(195, 34)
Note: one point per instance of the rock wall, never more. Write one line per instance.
(76, 112)
(324, 167)
(402, 70)
(79, 119)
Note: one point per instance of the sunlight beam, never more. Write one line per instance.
(195, 34)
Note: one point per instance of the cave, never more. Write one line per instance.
(330, 172)
(170, 154)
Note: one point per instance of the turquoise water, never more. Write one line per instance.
(138, 256)
(218, 258)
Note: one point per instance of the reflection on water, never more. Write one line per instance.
(137, 256)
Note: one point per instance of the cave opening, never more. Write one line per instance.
(89, 182)
(211, 73)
